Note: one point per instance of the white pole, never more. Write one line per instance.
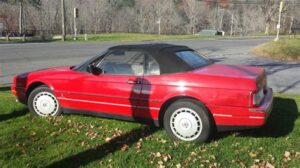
(21, 18)
(63, 29)
(75, 28)
(231, 27)
(278, 25)
(159, 26)
(291, 25)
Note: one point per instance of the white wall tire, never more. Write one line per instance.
(188, 120)
(42, 102)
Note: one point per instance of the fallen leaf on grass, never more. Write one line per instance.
(138, 145)
(214, 165)
(269, 165)
(262, 165)
(158, 154)
(252, 154)
(160, 162)
(193, 154)
(19, 145)
(107, 139)
(124, 147)
(213, 157)
(33, 133)
(166, 157)
(287, 155)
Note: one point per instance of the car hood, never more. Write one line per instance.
(56, 69)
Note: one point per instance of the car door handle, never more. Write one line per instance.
(134, 82)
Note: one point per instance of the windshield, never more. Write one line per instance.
(82, 66)
(193, 59)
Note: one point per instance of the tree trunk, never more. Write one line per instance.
(267, 28)
(291, 24)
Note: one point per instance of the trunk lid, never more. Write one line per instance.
(233, 71)
(237, 73)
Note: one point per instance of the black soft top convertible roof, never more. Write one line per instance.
(164, 54)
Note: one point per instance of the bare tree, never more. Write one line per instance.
(191, 10)
(177, 16)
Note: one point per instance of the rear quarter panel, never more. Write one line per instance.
(213, 92)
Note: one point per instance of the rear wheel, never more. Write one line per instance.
(42, 102)
(188, 120)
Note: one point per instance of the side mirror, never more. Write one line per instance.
(94, 70)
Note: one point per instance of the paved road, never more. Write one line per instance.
(16, 58)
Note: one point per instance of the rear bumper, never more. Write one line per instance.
(246, 117)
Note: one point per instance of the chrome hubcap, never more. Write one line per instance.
(186, 124)
(45, 104)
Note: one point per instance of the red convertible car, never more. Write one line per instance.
(162, 84)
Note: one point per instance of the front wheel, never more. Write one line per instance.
(188, 120)
(42, 102)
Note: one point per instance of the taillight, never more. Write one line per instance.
(257, 97)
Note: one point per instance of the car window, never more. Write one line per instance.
(123, 63)
(192, 58)
(151, 66)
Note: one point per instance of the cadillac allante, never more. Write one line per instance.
(166, 85)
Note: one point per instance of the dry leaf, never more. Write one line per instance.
(269, 165)
(287, 154)
(158, 154)
(161, 166)
(124, 147)
(107, 139)
(193, 154)
(252, 154)
(138, 145)
(214, 165)
(19, 145)
(254, 166)
(213, 157)
(178, 165)
(33, 133)
(160, 162)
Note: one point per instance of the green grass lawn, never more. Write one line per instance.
(284, 49)
(118, 37)
(73, 141)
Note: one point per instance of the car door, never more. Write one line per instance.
(114, 92)
(152, 91)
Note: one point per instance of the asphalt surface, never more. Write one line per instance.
(283, 77)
